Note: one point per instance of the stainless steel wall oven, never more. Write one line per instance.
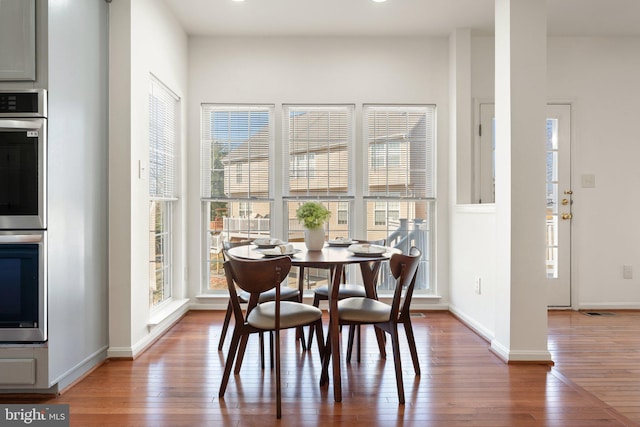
(23, 216)
(23, 160)
(23, 288)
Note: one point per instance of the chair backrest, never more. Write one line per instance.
(226, 245)
(376, 264)
(404, 269)
(254, 276)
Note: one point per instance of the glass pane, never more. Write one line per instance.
(552, 198)
(552, 166)
(552, 134)
(236, 144)
(552, 230)
(399, 150)
(159, 251)
(318, 143)
(553, 204)
(552, 263)
(406, 224)
(338, 225)
(232, 221)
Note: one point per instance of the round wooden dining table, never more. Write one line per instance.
(334, 258)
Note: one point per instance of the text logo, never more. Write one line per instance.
(34, 415)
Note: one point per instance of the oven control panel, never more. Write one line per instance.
(26, 103)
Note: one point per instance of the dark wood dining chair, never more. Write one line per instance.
(286, 294)
(348, 290)
(257, 277)
(386, 317)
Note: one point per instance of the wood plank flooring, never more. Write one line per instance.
(595, 382)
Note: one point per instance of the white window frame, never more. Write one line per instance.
(164, 146)
(247, 212)
(404, 181)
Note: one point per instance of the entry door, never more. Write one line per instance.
(558, 192)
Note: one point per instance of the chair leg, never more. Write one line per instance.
(408, 328)
(231, 355)
(271, 350)
(261, 344)
(326, 358)
(316, 303)
(358, 328)
(320, 338)
(393, 331)
(278, 393)
(240, 356)
(352, 329)
(225, 325)
(381, 342)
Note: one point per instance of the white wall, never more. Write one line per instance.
(145, 39)
(316, 70)
(600, 77)
(77, 187)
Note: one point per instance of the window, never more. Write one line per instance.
(239, 173)
(318, 145)
(343, 213)
(393, 197)
(302, 166)
(384, 154)
(399, 181)
(385, 212)
(237, 143)
(163, 192)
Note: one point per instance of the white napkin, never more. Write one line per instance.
(267, 241)
(341, 240)
(279, 250)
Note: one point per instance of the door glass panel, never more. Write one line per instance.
(552, 199)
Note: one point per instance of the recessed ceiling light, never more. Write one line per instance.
(379, 1)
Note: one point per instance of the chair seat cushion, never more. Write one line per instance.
(292, 314)
(286, 293)
(344, 291)
(363, 310)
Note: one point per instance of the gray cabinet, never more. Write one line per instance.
(17, 40)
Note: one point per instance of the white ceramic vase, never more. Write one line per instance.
(314, 238)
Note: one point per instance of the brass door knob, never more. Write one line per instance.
(567, 216)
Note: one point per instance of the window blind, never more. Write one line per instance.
(236, 144)
(400, 147)
(318, 150)
(163, 141)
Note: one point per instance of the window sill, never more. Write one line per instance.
(171, 312)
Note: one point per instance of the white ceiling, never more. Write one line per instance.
(393, 18)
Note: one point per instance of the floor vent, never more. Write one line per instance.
(416, 314)
(599, 313)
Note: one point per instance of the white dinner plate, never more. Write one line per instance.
(366, 249)
(268, 243)
(341, 242)
(274, 252)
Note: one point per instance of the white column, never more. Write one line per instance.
(520, 97)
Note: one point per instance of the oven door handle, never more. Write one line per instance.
(20, 238)
(21, 123)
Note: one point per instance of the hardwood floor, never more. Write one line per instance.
(595, 382)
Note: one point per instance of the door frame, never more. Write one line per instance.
(477, 190)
